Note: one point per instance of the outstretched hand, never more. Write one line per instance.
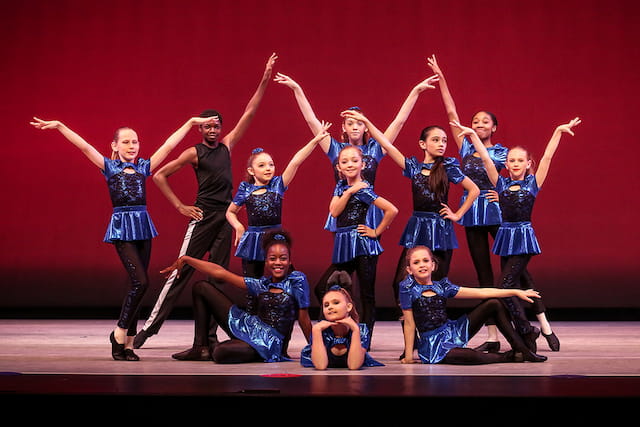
(286, 80)
(464, 130)
(44, 124)
(434, 65)
(428, 83)
(568, 128)
(177, 265)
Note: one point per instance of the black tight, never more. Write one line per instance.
(365, 268)
(514, 270)
(489, 309)
(135, 257)
(480, 251)
(209, 302)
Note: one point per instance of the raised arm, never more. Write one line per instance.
(171, 142)
(250, 110)
(303, 153)
(462, 131)
(552, 145)
(447, 99)
(160, 178)
(214, 270)
(376, 134)
(305, 107)
(398, 122)
(87, 149)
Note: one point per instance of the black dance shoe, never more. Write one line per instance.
(530, 339)
(197, 353)
(553, 341)
(489, 347)
(117, 350)
(130, 355)
(527, 356)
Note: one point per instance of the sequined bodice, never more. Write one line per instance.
(517, 198)
(353, 214)
(429, 312)
(423, 198)
(473, 167)
(264, 209)
(127, 189)
(277, 310)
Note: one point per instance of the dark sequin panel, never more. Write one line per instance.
(127, 189)
(353, 214)
(278, 310)
(264, 209)
(516, 205)
(473, 167)
(429, 312)
(423, 199)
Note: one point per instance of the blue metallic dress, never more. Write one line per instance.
(482, 212)
(270, 328)
(331, 340)
(516, 235)
(347, 241)
(264, 212)
(372, 153)
(437, 334)
(426, 226)
(130, 219)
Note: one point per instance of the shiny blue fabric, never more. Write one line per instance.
(482, 212)
(372, 153)
(516, 235)
(348, 244)
(437, 334)
(250, 245)
(130, 219)
(429, 229)
(261, 333)
(330, 340)
(264, 212)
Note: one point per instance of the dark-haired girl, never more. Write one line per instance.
(516, 242)
(130, 229)
(262, 193)
(281, 298)
(431, 223)
(483, 218)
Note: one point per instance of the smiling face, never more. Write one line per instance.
(277, 261)
(484, 125)
(420, 264)
(126, 145)
(350, 163)
(518, 163)
(335, 306)
(262, 168)
(434, 144)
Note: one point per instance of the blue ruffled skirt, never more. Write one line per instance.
(249, 328)
(130, 223)
(348, 244)
(516, 238)
(250, 245)
(429, 229)
(434, 345)
(482, 211)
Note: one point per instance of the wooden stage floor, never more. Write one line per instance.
(70, 359)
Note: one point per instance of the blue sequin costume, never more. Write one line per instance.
(426, 226)
(330, 340)
(516, 235)
(130, 219)
(482, 212)
(348, 243)
(437, 334)
(269, 329)
(264, 212)
(372, 153)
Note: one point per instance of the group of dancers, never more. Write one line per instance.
(278, 295)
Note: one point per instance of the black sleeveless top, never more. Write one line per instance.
(215, 183)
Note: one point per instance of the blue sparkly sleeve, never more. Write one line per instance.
(144, 166)
(243, 192)
(300, 289)
(334, 149)
(254, 286)
(410, 167)
(108, 171)
(277, 185)
(366, 195)
(375, 150)
(498, 154)
(405, 295)
(452, 167)
(447, 289)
